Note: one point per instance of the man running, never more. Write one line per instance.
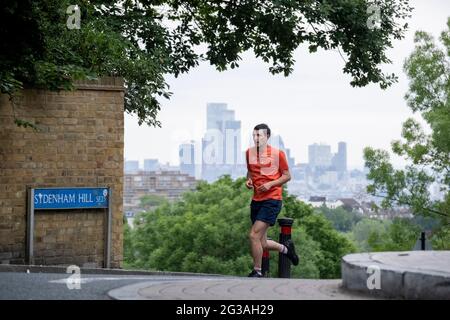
(267, 172)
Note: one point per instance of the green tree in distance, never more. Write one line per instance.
(150, 201)
(364, 228)
(341, 219)
(127, 243)
(401, 235)
(428, 155)
(144, 41)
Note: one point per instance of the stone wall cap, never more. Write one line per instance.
(102, 83)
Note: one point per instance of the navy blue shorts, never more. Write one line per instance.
(265, 210)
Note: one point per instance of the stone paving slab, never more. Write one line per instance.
(237, 289)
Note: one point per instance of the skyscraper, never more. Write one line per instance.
(151, 164)
(221, 145)
(277, 142)
(186, 154)
(221, 124)
(341, 157)
(216, 114)
(131, 166)
(319, 155)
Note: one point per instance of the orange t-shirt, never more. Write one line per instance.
(265, 168)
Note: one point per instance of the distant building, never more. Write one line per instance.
(350, 205)
(368, 207)
(131, 166)
(151, 165)
(329, 178)
(168, 167)
(319, 155)
(299, 171)
(216, 114)
(391, 213)
(316, 201)
(277, 142)
(221, 145)
(186, 154)
(339, 161)
(167, 184)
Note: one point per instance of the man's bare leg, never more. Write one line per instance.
(271, 244)
(257, 233)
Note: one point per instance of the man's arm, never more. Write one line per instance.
(285, 177)
(249, 182)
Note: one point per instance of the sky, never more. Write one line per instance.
(315, 104)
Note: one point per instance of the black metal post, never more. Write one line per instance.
(422, 240)
(284, 264)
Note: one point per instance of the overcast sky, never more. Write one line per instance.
(314, 104)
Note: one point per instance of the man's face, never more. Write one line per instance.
(260, 137)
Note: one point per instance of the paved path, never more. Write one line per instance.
(236, 289)
(53, 286)
(410, 275)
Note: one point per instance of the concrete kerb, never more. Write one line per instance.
(396, 282)
(62, 269)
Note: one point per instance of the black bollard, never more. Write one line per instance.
(284, 264)
(422, 241)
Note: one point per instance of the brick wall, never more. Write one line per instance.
(79, 143)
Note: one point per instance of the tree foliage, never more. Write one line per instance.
(401, 235)
(150, 201)
(143, 41)
(341, 219)
(428, 155)
(361, 231)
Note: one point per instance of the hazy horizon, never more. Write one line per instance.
(315, 104)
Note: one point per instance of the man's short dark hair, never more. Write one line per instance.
(264, 127)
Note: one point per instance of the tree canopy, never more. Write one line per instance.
(144, 41)
(342, 219)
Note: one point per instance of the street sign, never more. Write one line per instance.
(70, 198)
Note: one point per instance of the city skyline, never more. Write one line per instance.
(221, 120)
(336, 159)
(219, 151)
(197, 139)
